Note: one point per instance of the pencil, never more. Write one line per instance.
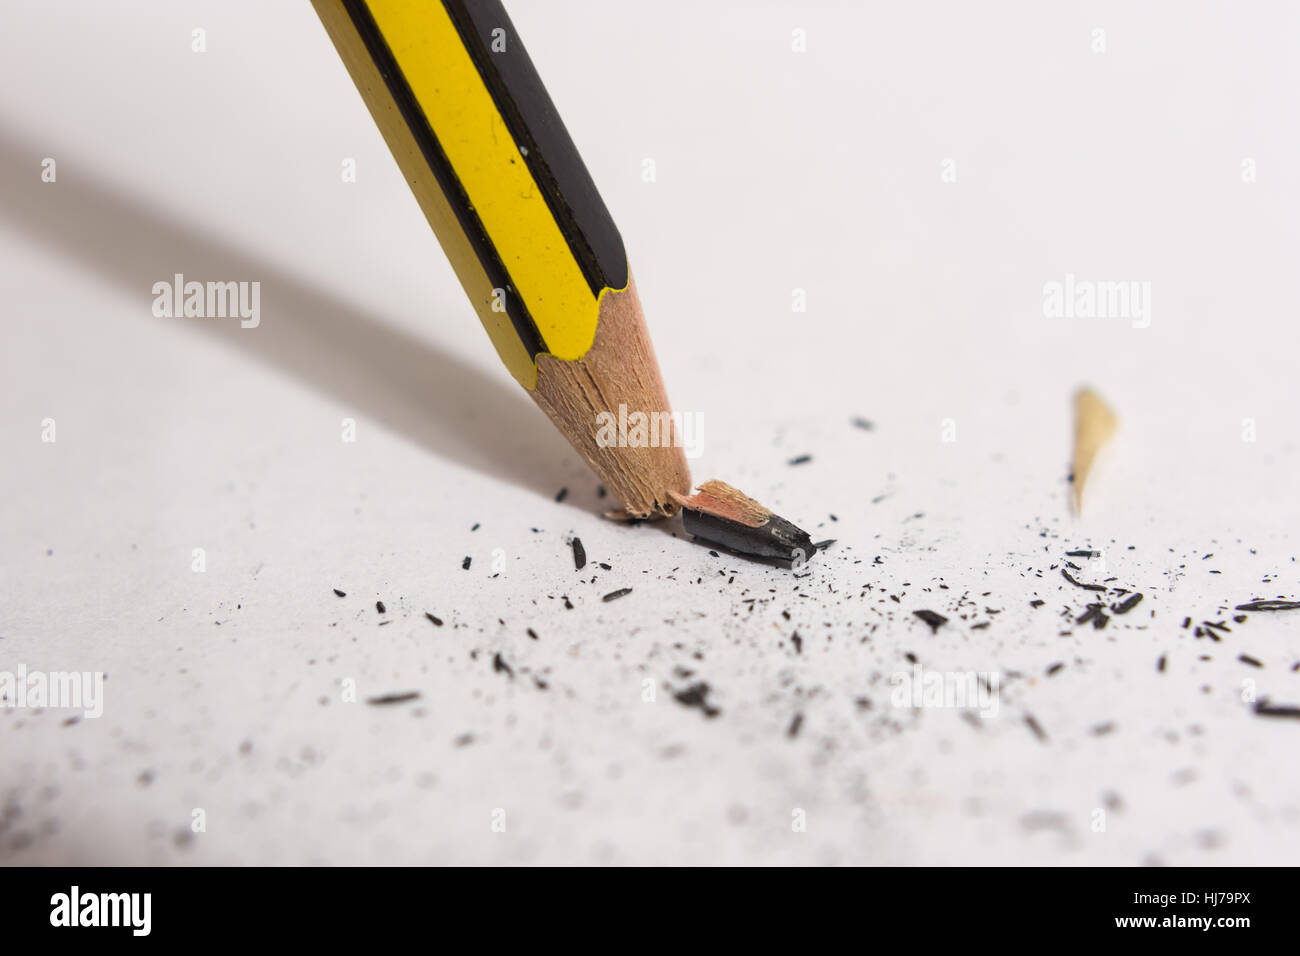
(1094, 424)
(460, 105)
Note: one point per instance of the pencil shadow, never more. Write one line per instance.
(408, 385)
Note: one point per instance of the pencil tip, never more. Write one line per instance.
(1094, 424)
(728, 518)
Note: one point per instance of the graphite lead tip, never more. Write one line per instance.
(724, 516)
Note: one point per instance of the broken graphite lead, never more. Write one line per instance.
(720, 514)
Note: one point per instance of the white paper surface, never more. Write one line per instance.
(829, 171)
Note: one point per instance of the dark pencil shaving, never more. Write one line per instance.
(696, 695)
(1036, 727)
(1268, 606)
(933, 619)
(1265, 709)
(1080, 584)
(387, 699)
(501, 667)
(1128, 604)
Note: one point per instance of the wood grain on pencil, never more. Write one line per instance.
(619, 369)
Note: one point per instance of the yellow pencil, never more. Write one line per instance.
(478, 139)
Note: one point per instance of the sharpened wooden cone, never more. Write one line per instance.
(619, 374)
